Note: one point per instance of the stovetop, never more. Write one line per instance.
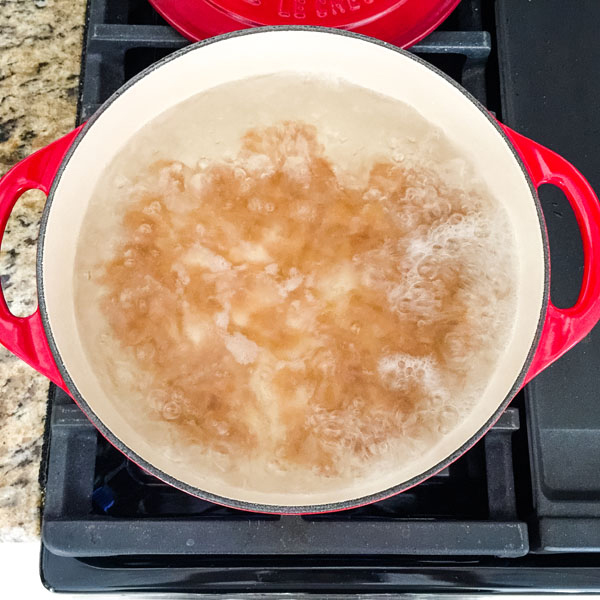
(519, 511)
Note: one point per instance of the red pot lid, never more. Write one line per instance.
(401, 22)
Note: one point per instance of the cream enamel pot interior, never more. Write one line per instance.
(512, 166)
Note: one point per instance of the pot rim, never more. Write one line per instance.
(268, 508)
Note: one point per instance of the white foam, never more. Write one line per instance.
(250, 252)
(201, 256)
(243, 350)
(400, 370)
(293, 282)
(297, 168)
(197, 330)
(259, 164)
(222, 319)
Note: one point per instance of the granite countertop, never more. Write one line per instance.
(40, 50)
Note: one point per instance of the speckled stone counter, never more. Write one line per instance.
(40, 50)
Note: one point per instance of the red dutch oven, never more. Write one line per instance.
(512, 167)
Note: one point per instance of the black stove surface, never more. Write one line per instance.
(519, 511)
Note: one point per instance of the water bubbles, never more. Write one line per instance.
(203, 164)
(259, 164)
(455, 219)
(142, 232)
(427, 268)
(297, 168)
(260, 206)
(453, 245)
(153, 209)
(145, 229)
(221, 428)
(171, 410)
(372, 195)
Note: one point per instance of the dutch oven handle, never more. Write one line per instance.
(25, 336)
(565, 327)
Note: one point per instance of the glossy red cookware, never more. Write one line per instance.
(401, 22)
(511, 165)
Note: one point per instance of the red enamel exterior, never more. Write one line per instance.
(400, 22)
(24, 336)
(562, 329)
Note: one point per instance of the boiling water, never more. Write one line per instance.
(293, 282)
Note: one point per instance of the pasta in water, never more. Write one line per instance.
(308, 297)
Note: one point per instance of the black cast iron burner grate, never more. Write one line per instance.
(114, 508)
